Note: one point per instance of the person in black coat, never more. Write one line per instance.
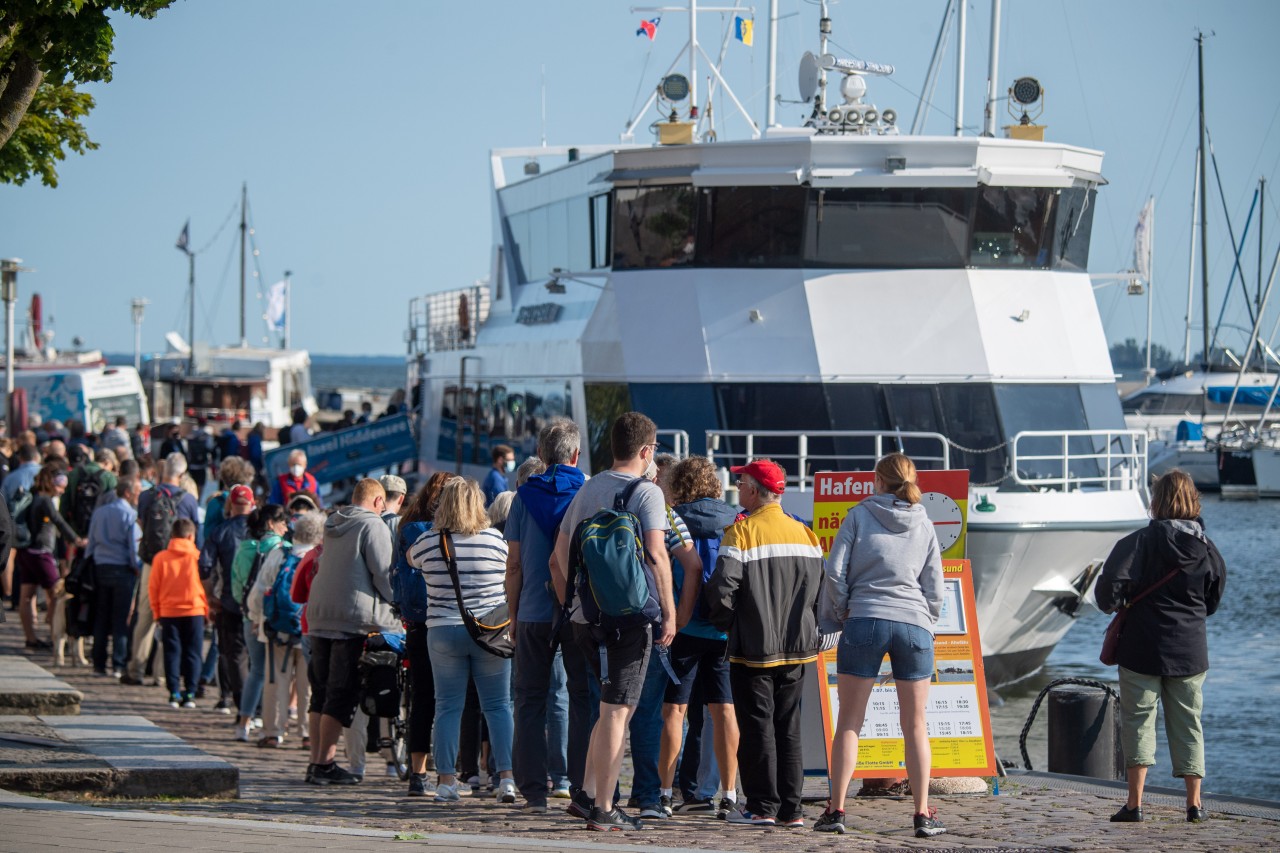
(1163, 652)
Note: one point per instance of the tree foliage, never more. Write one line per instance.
(47, 49)
(1131, 354)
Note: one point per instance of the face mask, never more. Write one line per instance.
(297, 470)
(650, 471)
(511, 465)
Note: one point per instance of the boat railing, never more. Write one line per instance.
(801, 463)
(1119, 458)
(445, 321)
(676, 439)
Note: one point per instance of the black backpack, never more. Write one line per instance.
(158, 523)
(198, 451)
(22, 500)
(89, 489)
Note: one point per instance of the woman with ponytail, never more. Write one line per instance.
(884, 586)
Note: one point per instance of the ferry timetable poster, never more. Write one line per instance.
(958, 719)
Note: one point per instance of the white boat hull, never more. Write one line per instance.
(1266, 468)
(1194, 457)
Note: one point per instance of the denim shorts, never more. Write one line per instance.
(865, 641)
(703, 660)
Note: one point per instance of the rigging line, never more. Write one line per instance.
(1262, 146)
(222, 288)
(644, 72)
(1088, 119)
(1213, 155)
(1173, 112)
(1186, 131)
(1226, 297)
(218, 233)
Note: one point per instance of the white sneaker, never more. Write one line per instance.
(447, 793)
(242, 734)
(506, 792)
(392, 773)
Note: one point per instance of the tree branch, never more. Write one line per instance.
(15, 98)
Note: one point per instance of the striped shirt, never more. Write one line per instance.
(482, 567)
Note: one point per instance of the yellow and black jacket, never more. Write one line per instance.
(764, 589)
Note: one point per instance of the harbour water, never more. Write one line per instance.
(1242, 692)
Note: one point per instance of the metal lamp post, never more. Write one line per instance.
(9, 268)
(137, 307)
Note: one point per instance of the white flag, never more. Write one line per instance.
(1142, 235)
(276, 318)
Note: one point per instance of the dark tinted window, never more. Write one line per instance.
(750, 226)
(653, 227)
(887, 228)
(1074, 223)
(605, 401)
(1012, 227)
(689, 406)
(974, 430)
(1048, 408)
(599, 230)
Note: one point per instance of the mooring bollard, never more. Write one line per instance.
(1084, 733)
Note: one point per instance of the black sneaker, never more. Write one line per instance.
(692, 805)
(612, 821)
(417, 785)
(580, 805)
(1127, 815)
(311, 774)
(1196, 814)
(830, 822)
(726, 805)
(660, 810)
(332, 774)
(928, 825)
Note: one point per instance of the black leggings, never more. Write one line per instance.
(422, 705)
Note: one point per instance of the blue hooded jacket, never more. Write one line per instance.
(546, 496)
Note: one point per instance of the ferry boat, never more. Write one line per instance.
(818, 295)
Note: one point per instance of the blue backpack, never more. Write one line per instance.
(282, 615)
(608, 562)
(408, 585)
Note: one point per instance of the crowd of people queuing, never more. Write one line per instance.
(264, 600)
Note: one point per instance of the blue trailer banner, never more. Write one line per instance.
(350, 452)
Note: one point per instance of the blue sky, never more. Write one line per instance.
(363, 132)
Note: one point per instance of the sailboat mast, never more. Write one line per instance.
(1151, 275)
(1262, 209)
(244, 196)
(1191, 263)
(1204, 219)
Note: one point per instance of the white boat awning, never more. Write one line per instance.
(747, 176)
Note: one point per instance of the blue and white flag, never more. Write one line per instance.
(276, 319)
(184, 238)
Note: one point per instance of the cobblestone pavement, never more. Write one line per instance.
(1024, 816)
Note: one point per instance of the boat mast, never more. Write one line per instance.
(1151, 274)
(244, 195)
(993, 64)
(963, 14)
(1191, 262)
(1262, 209)
(1204, 220)
(191, 313)
(771, 88)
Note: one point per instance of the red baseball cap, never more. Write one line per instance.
(767, 473)
(241, 495)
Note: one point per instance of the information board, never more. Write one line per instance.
(958, 718)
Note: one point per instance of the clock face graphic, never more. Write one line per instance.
(945, 514)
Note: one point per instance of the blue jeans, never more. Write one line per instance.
(256, 651)
(181, 638)
(455, 658)
(112, 599)
(646, 733)
(558, 724)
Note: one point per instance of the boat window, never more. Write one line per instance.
(973, 429)
(653, 227)
(1054, 408)
(599, 210)
(517, 238)
(538, 256)
(1072, 229)
(1011, 227)
(750, 226)
(605, 402)
(887, 228)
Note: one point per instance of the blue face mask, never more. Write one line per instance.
(511, 465)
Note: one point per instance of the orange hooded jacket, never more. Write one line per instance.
(175, 586)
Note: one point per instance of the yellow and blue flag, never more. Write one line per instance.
(743, 30)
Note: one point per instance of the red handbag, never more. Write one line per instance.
(1111, 639)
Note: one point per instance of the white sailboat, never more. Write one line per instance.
(819, 295)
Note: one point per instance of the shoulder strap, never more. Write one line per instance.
(624, 497)
(1153, 587)
(446, 548)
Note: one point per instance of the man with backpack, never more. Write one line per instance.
(88, 485)
(157, 509)
(763, 594)
(619, 586)
(216, 560)
(199, 449)
(532, 524)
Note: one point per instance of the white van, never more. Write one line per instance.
(94, 395)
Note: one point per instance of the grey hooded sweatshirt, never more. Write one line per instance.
(352, 589)
(884, 564)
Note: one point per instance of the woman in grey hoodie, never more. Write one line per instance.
(884, 584)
